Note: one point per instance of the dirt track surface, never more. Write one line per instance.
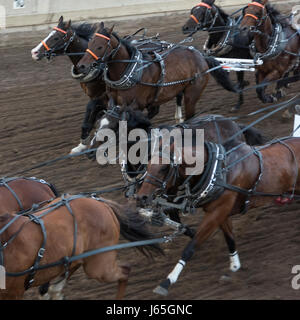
(41, 113)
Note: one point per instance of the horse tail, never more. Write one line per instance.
(252, 135)
(133, 228)
(220, 75)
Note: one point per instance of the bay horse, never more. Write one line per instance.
(68, 226)
(72, 40)
(275, 41)
(19, 194)
(210, 17)
(216, 128)
(149, 80)
(243, 178)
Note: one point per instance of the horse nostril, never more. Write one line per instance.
(142, 200)
(81, 68)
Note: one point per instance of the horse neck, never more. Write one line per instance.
(221, 21)
(262, 40)
(78, 45)
(116, 70)
(185, 166)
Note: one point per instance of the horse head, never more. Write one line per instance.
(100, 49)
(115, 114)
(166, 171)
(255, 21)
(56, 42)
(202, 16)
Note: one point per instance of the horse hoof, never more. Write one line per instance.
(235, 109)
(280, 94)
(286, 115)
(161, 291)
(297, 109)
(225, 279)
(81, 147)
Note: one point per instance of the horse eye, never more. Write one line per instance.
(56, 38)
(100, 48)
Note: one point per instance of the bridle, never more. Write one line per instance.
(106, 54)
(161, 185)
(51, 51)
(209, 18)
(259, 21)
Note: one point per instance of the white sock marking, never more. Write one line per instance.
(235, 263)
(173, 276)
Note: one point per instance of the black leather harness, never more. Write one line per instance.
(65, 201)
(4, 182)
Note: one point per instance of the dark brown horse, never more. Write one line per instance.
(17, 194)
(275, 41)
(72, 40)
(241, 179)
(150, 80)
(74, 225)
(211, 18)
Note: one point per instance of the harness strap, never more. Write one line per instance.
(251, 15)
(194, 18)
(162, 75)
(257, 4)
(30, 278)
(92, 54)
(60, 30)
(203, 4)
(4, 184)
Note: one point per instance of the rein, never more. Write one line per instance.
(50, 51)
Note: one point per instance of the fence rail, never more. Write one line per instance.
(35, 13)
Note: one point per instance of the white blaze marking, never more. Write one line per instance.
(35, 51)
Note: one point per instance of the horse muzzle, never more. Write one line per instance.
(143, 201)
(93, 73)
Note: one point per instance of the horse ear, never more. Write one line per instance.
(210, 2)
(111, 29)
(264, 2)
(68, 25)
(101, 27)
(61, 20)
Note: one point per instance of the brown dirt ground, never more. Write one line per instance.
(41, 113)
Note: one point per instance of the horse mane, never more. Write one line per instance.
(85, 30)
(223, 14)
(276, 16)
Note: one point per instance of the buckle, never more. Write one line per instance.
(41, 252)
(221, 156)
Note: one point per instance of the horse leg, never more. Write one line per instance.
(153, 111)
(178, 113)
(209, 224)
(174, 215)
(241, 86)
(280, 93)
(261, 92)
(192, 94)
(226, 227)
(104, 268)
(92, 110)
(12, 294)
(53, 291)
